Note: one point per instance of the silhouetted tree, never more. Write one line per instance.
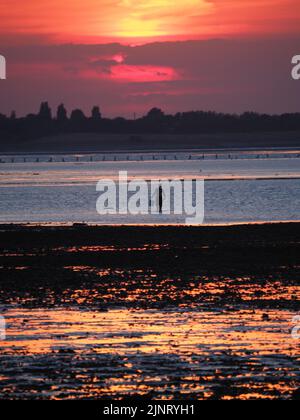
(45, 111)
(96, 114)
(79, 122)
(77, 116)
(156, 121)
(155, 114)
(61, 115)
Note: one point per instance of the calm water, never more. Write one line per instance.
(239, 187)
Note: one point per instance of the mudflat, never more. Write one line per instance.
(118, 312)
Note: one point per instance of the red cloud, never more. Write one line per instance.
(133, 73)
(128, 73)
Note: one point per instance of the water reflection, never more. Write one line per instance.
(92, 287)
(171, 353)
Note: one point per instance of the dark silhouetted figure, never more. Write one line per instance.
(160, 199)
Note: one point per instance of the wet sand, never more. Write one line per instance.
(168, 312)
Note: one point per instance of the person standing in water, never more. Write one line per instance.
(160, 199)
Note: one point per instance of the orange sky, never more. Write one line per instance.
(145, 20)
(236, 58)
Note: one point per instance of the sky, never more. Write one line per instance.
(130, 55)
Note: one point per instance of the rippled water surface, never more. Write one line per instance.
(143, 334)
(239, 187)
(164, 354)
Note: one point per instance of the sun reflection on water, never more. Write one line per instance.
(171, 353)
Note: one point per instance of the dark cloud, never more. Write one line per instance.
(223, 75)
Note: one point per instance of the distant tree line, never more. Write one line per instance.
(156, 121)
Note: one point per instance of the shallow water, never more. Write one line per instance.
(239, 187)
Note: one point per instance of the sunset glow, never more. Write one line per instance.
(149, 203)
(156, 18)
(143, 73)
(133, 74)
(131, 55)
(127, 20)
